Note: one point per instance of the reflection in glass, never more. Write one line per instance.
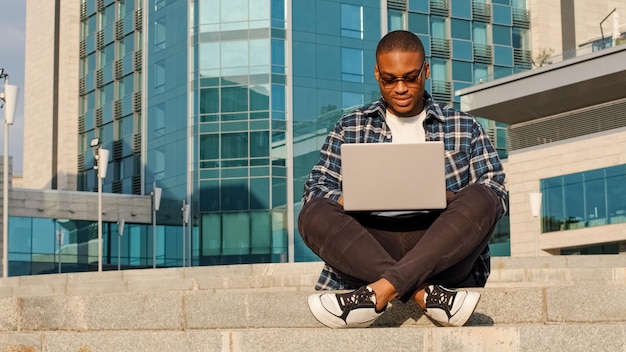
(584, 199)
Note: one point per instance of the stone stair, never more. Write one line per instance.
(574, 303)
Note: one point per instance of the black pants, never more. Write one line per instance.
(435, 248)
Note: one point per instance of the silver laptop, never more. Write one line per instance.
(393, 176)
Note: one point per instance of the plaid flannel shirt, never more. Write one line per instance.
(470, 158)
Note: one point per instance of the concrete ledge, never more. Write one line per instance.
(506, 272)
(179, 310)
(530, 337)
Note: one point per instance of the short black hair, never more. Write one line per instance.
(400, 40)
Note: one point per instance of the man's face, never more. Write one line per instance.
(401, 78)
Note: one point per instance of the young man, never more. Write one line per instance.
(417, 256)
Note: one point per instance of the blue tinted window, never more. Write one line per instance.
(328, 62)
(278, 10)
(426, 41)
(209, 100)
(502, 15)
(419, 6)
(234, 145)
(351, 21)
(590, 198)
(481, 73)
(259, 144)
(234, 99)
(499, 71)
(418, 23)
(278, 97)
(234, 195)
(329, 21)
(521, 38)
(461, 9)
(461, 29)
(438, 27)
(461, 71)
(501, 35)
(278, 52)
(259, 97)
(259, 193)
(209, 146)
(479, 33)
(351, 100)
(462, 50)
(395, 20)
(502, 2)
(352, 65)
(503, 55)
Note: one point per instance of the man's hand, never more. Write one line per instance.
(340, 201)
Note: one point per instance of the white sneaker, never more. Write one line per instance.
(449, 307)
(356, 309)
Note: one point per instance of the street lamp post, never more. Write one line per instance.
(102, 159)
(156, 203)
(120, 233)
(185, 210)
(9, 97)
(60, 235)
(535, 209)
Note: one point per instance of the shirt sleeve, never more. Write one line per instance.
(485, 165)
(325, 177)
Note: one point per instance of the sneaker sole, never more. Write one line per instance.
(459, 319)
(329, 319)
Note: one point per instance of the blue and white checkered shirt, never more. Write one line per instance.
(470, 158)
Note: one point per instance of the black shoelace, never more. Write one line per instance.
(439, 298)
(360, 298)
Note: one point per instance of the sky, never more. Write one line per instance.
(12, 38)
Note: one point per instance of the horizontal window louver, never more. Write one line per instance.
(568, 125)
(396, 5)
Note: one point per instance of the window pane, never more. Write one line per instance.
(234, 196)
(209, 100)
(462, 50)
(460, 29)
(351, 21)
(234, 145)
(395, 20)
(502, 15)
(209, 146)
(234, 99)
(501, 35)
(237, 226)
(595, 197)
(259, 144)
(259, 97)
(352, 65)
(418, 23)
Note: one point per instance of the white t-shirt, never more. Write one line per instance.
(405, 130)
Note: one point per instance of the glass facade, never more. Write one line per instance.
(240, 131)
(333, 48)
(110, 93)
(584, 199)
(224, 105)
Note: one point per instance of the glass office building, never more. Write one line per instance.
(224, 104)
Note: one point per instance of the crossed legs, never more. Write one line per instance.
(398, 257)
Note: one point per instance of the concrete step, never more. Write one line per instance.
(251, 309)
(530, 304)
(609, 270)
(528, 337)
